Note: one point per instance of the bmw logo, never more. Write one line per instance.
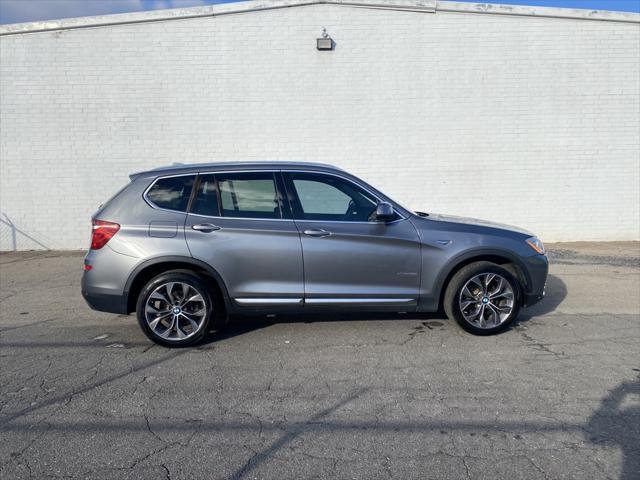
(485, 300)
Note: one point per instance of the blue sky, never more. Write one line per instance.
(15, 11)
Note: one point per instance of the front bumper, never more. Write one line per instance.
(537, 268)
(531, 299)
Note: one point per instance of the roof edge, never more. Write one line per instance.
(428, 6)
(204, 11)
(234, 165)
(535, 11)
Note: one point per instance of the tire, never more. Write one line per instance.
(482, 309)
(177, 296)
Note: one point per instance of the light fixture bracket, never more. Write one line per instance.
(326, 42)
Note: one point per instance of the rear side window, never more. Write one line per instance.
(172, 193)
(248, 195)
(206, 202)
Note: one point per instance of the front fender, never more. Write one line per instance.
(433, 286)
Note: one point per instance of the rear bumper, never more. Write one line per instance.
(537, 269)
(105, 302)
(103, 284)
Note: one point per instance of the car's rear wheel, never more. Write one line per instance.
(176, 308)
(483, 297)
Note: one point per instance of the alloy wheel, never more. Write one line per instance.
(486, 300)
(175, 311)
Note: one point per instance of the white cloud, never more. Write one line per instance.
(12, 11)
(16, 11)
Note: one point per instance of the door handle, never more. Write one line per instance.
(316, 232)
(205, 227)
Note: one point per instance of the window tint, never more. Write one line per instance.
(324, 197)
(249, 195)
(206, 201)
(321, 198)
(172, 193)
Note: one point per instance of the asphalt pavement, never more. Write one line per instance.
(85, 395)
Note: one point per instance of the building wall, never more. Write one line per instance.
(523, 120)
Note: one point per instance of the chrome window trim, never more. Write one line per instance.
(156, 207)
(196, 174)
(217, 172)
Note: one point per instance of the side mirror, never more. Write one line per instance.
(384, 212)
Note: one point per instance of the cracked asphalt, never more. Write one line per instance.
(85, 395)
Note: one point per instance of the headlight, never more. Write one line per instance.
(536, 244)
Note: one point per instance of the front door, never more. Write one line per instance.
(349, 258)
(237, 225)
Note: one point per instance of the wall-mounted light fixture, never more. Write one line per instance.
(326, 42)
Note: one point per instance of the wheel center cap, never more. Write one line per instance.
(177, 310)
(485, 300)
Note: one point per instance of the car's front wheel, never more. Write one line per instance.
(483, 297)
(175, 309)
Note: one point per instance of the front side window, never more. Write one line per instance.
(172, 193)
(248, 195)
(325, 197)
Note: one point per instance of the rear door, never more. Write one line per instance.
(239, 224)
(350, 259)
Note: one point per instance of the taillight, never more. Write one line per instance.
(102, 233)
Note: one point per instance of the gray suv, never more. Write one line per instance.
(189, 245)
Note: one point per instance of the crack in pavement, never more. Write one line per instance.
(541, 346)
(68, 397)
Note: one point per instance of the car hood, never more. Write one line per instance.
(476, 222)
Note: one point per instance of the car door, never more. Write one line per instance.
(239, 224)
(348, 258)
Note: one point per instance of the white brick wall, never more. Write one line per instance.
(524, 120)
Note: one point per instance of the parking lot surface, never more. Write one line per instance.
(85, 394)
